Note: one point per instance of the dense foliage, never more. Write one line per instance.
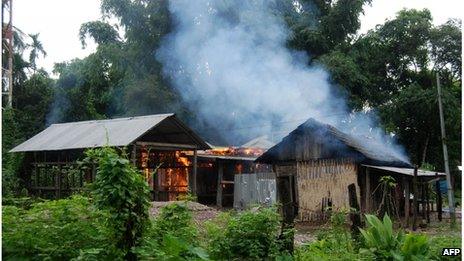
(120, 189)
(57, 230)
(246, 235)
(172, 236)
(379, 241)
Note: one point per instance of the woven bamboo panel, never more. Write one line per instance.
(322, 182)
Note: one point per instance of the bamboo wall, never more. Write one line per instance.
(321, 183)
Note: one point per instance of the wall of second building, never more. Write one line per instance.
(324, 183)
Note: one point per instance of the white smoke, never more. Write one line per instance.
(230, 62)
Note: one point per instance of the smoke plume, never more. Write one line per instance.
(230, 62)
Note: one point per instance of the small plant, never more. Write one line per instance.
(385, 244)
(333, 243)
(187, 197)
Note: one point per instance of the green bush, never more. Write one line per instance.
(247, 235)
(57, 230)
(437, 243)
(172, 236)
(385, 244)
(333, 243)
(120, 189)
(24, 202)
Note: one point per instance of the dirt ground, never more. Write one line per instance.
(200, 212)
(306, 231)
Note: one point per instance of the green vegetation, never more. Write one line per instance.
(121, 190)
(390, 70)
(379, 241)
(250, 234)
(57, 230)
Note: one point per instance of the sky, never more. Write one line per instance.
(58, 21)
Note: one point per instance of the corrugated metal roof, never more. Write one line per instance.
(408, 171)
(97, 133)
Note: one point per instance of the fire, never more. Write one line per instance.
(166, 171)
(236, 151)
(182, 159)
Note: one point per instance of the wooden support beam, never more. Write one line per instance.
(407, 202)
(175, 146)
(58, 184)
(367, 191)
(439, 199)
(355, 210)
(427, 204)
(219, 183)
(414, 202)
(194, 172)
(423, 200)
(134, 155)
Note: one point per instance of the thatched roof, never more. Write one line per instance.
(315, 140)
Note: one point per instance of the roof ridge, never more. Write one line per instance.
(114, 119)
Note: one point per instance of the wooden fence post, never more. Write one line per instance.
(219, 183)
(354, 211)
(427, 202)
(407, 202)
(414, 202)
(439, 199)
(367, 191)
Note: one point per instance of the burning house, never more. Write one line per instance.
(161, 146)
(316, 163)
(218, 169)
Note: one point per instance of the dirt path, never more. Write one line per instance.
(200, 212)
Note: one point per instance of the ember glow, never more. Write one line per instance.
(172, 169)
(236, 151)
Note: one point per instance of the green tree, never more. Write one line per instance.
(319, 27)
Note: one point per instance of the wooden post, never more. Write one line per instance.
(194, 172)
(355, 211)
(414, 202)
(94, 172)
(423, 199)
(368, 191)
(427, 202)
(439, 199)
(445, 157)
(219, 183)
(134, 155)
(407, 202)
(58, 184)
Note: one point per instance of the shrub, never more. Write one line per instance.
(333, 243)
(380, 238)
(56, 230)
(120, 189)
(381, 241)
(247, 235)
(24, 202)
(172, 236)
(437, 243)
